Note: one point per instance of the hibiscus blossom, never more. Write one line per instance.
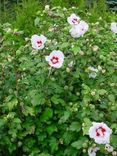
(84, 27)
(38, 41)
(114, 27)
(100, 132)
(73, 19)
(55, 59)
(79, 30)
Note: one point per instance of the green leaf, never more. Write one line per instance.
(1, 123)
(17, 120)
(36, 21)
(114, 126)
(28, 111)
(76, 50)
(114, 141)
(37, 99)
(111, 97)
(44, 154)
(65, 117)
(75, 126)
(13, 103)
(51, 129)
(68, 137)
(78, 144)
(56, 100)
(86, 125)
(64, 45)
(47, 114)
(42, 136)
(53, 144)
(102, 91)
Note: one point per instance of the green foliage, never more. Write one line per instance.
(25, 13)
(97, 9)
(79, 144)
(49, 113)
(68, 3)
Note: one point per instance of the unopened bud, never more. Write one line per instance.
(93, 93)
(95, 48)
(81, 53)
(68, 70)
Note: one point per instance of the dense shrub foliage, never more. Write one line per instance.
(47, 111)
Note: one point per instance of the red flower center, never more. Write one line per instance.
(100, 131)
(54, 59)
(39, 43)
(75, 20)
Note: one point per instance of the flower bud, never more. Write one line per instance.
(95, 48)
(81, 53)
(47, 8)
(68, 70)
(66, 87)
(64, 9)
(99, 67)
(93, 93)
(77, 93)
(52, 78)
(85, 145)
(114, 153)
(84, 151)
(103, 71)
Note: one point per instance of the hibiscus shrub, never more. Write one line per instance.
(54, 86)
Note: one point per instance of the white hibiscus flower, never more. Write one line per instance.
(114, 27)
(75, 32)
(55, 59)
(100, 132)
(92, 151)
(38, 41)
(84, 27)
(73, 19)
(79, 30)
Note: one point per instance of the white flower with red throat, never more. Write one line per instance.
(83, 27)
(79, 30)
(114, 27)
(100, 132)
(38, 41)
(55, 59)
(73, 19)
(75, 32)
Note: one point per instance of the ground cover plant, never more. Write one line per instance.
(58, 85)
